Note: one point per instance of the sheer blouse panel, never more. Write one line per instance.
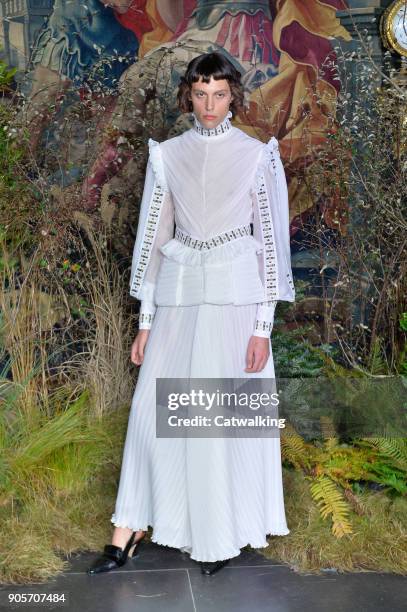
(204, 188)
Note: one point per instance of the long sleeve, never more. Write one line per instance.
(165, 232)
(271, 228)
(156, 226)
(264, 319)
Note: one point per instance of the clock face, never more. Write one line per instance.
(399, 26)
(393, 27)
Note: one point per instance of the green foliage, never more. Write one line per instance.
(334, 468)
(403, 321)
(19, 209)
(9, 155)
(331, 502)
(377, 542)
(403, 353)
(390, 466)
(377, 363)
(6, 75)
(49, 455)
(293, 356)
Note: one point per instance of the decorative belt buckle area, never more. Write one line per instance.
(204, 245)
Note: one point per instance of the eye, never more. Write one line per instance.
(222, 95)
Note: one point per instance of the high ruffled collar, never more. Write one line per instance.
(222, 128)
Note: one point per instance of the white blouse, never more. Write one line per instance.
(213, 225)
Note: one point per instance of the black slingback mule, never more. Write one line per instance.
(211, 567)
(114, 556)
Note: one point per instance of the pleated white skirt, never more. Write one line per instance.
(206, 496)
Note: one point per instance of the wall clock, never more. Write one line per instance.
(393, 27)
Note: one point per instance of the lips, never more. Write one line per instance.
(209, 117)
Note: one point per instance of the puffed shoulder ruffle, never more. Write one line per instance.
(186, 255)
(157, 163)
(270, 152)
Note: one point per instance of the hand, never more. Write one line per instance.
(137, 348)
(257, 354)
(120, 6)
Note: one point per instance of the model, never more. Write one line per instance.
(211, 259)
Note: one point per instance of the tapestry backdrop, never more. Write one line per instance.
(123, 59)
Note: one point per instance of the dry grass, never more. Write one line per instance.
(104, 368)
(378, 541)
(61, 427)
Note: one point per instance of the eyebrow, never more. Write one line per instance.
(217, 91)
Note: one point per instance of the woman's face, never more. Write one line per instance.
(211, 101)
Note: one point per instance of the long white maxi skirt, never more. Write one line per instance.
(206, 496)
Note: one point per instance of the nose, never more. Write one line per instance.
(209, 104)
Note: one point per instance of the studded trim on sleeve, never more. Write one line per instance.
(150, 230)
(158, 193)
(145, 320)
(266, 222)
(265, 318)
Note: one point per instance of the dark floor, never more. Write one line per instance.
(163, 578)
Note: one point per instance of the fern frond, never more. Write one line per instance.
(377, 364)
(293, 448)
(330, 501)
(328, 432)
(393, 448)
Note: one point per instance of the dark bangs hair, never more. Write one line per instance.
(209, 65)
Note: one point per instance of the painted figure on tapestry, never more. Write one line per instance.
(281, 48)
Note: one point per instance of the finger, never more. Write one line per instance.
(141, 353)
(134, 353)
(262, 357)
(137, 360)
(136, 356)
(259, 361)
(249, 356)
(256, 364)
(250, 367)
(261, 365)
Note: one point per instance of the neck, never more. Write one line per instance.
(222, 127)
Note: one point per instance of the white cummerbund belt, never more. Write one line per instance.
(224, 269)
